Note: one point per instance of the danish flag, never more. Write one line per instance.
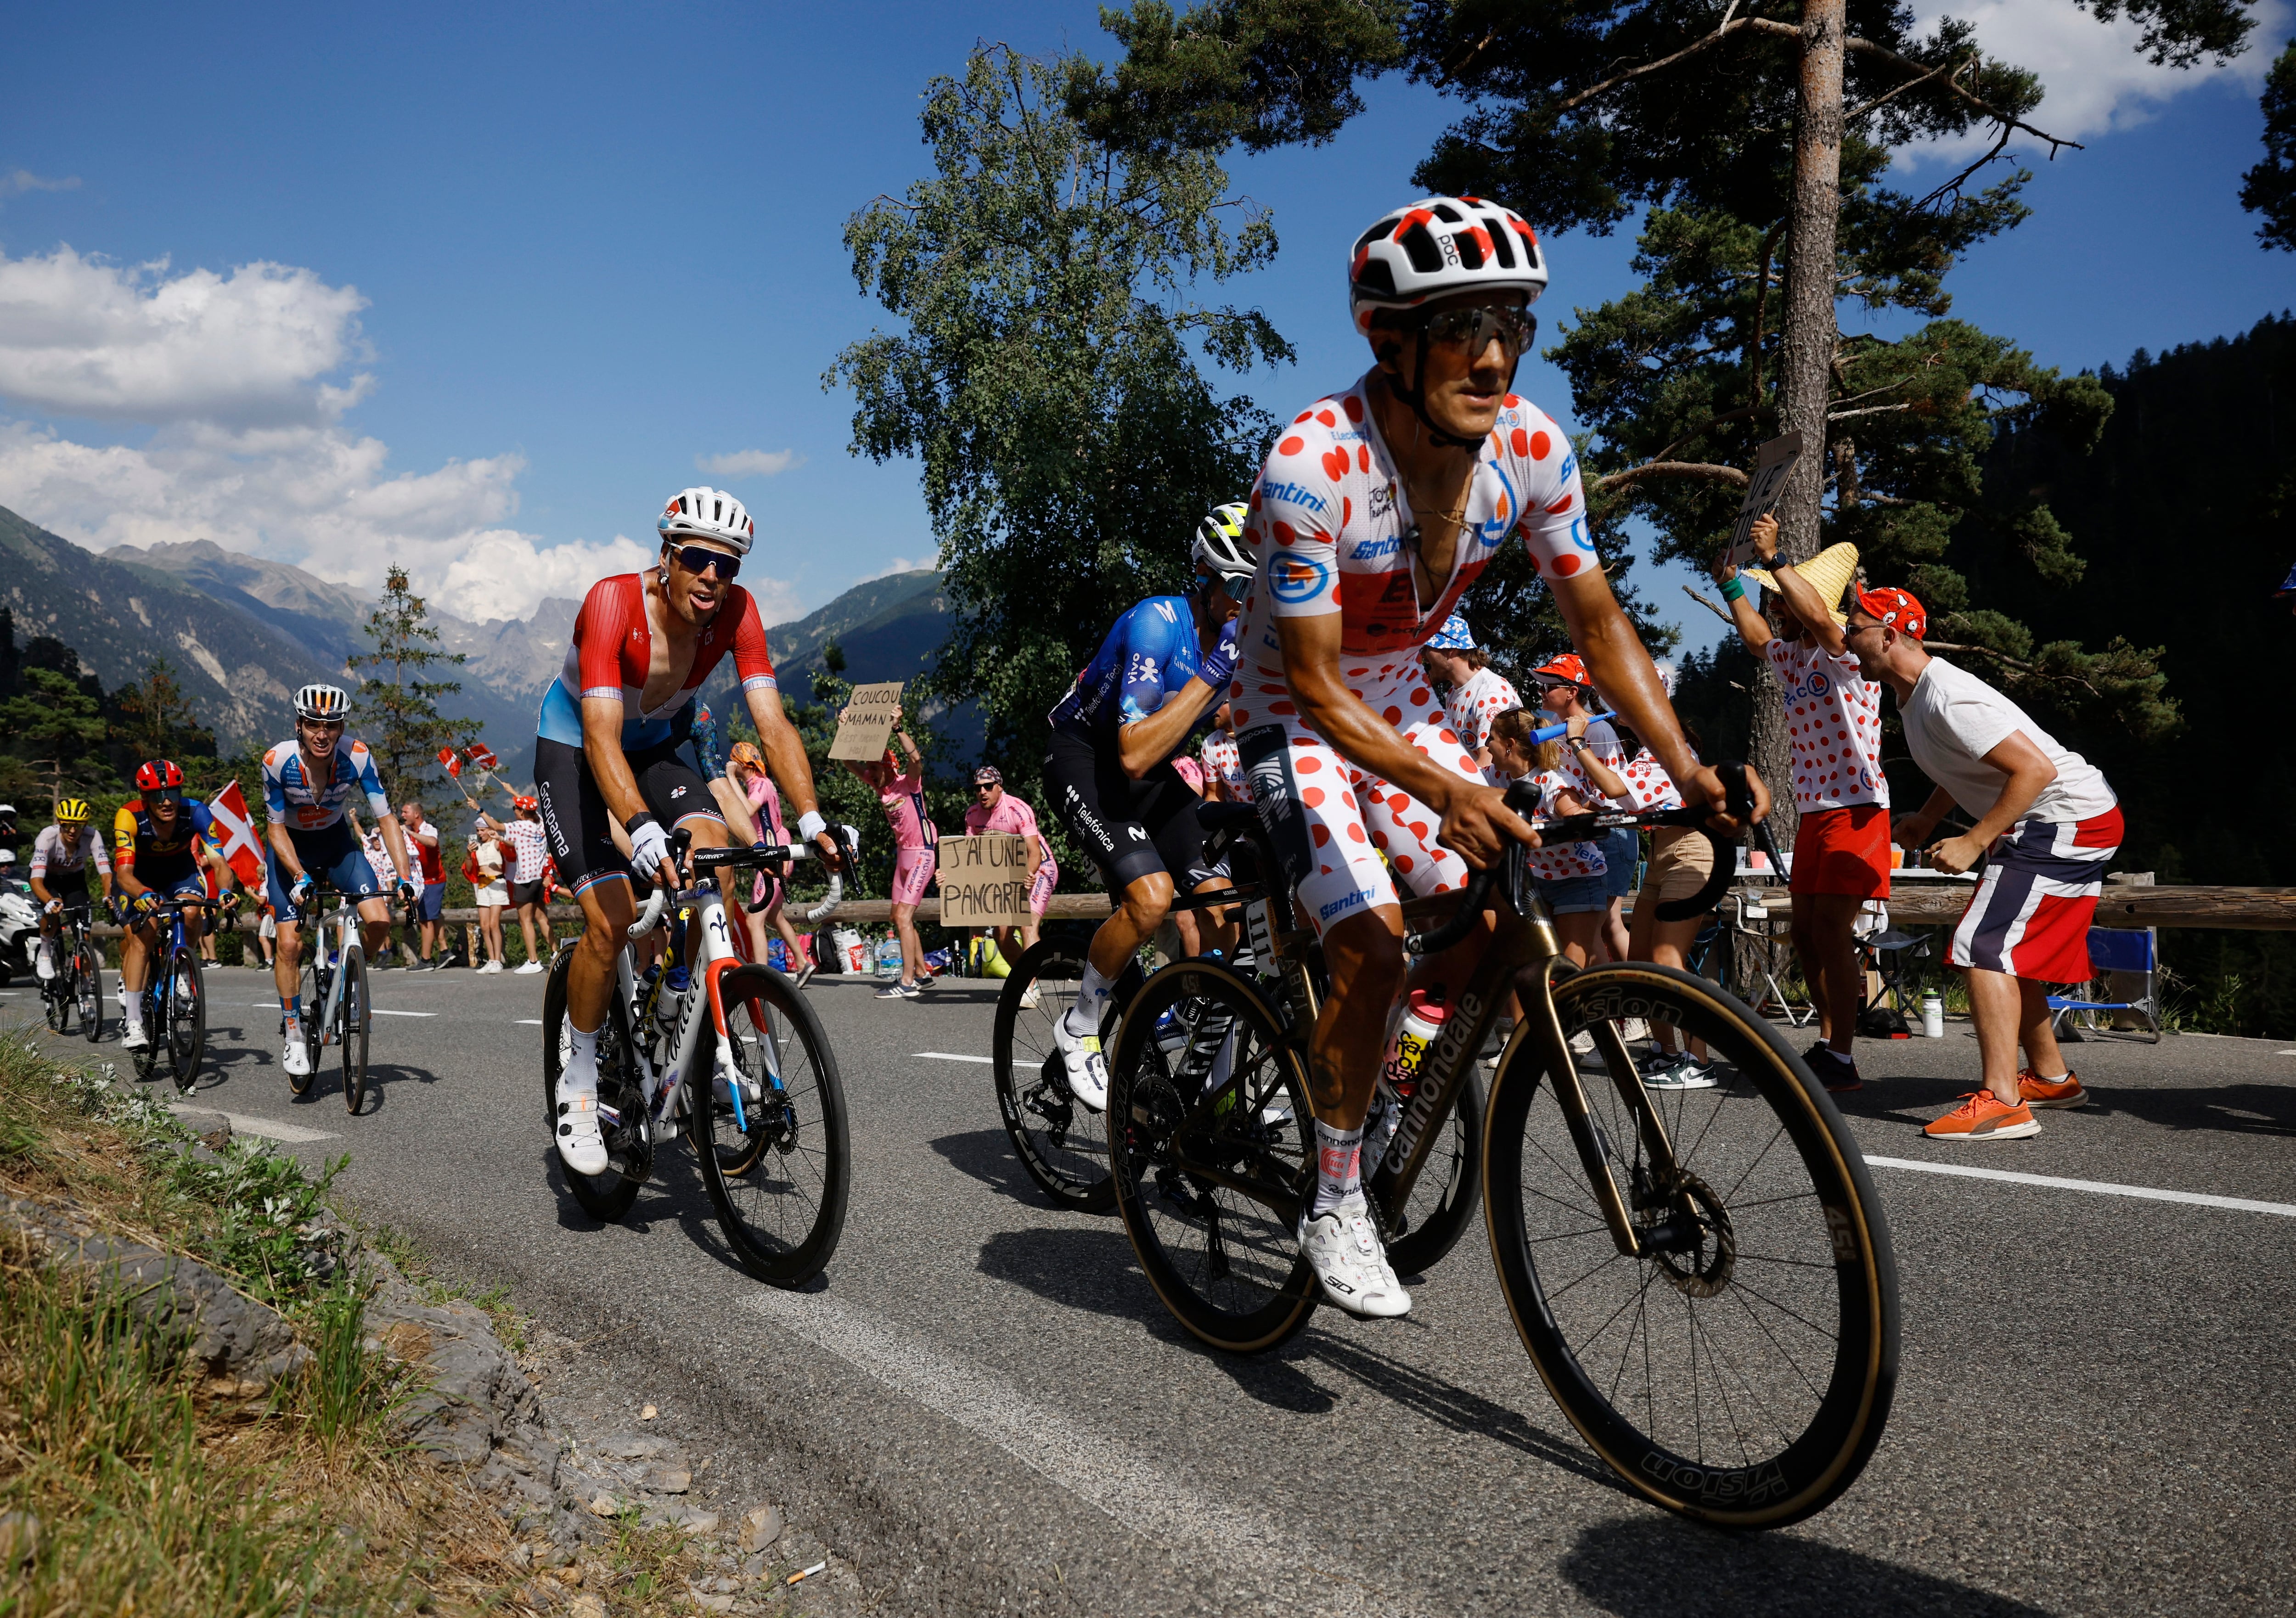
(234, 835)
(447, 757)
(484, 757)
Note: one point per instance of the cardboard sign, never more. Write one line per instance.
(984, 881)
(1774, 463)
(868, 723)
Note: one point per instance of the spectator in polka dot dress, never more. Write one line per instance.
(1570, 874)
(1564, 693)
(1480, 693)
(1834, 716)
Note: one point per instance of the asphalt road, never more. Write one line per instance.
(983, 1408)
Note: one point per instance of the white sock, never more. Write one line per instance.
(1083, 1017)
(1338, 1167)
(581, 1075)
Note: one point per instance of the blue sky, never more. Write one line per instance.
(528, 263)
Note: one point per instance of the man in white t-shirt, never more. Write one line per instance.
(1833, 720)
(2049, 823)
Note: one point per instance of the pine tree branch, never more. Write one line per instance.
(1728, 28)
(1710, 605)
(1705, 470)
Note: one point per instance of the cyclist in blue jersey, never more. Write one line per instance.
(309, 781)
(1157, 678)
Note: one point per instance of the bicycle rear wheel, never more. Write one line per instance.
(58, 992)
(608, 1195)
(1210, 1169)
(311, 1025)
(1740, 1370)
(351, 1027)
(777, 1168)
(89, 986)
(1059, 1142)
(186, 1012)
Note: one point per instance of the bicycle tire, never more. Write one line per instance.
(779, 1184)
(89, 986)
(186, 1015)
(1243, 1292)
(1450, 1188)
(351, 1027)
(1802, 1223)
(1041, 1117)
(56, 998)
(309, 1022)
(608, 1195)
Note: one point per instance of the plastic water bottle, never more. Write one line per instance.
(889, 958)
(1422, 1020)
(1932, 1015)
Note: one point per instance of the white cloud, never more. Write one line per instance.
(16, 182)
(248, 448)
(749, 463)
(901, 564)
(2095, 78)
(84, 337)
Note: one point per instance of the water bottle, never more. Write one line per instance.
(889, 958)
(1932, 1015)
(1407, 1048)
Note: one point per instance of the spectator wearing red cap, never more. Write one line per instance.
(2048, 821)
(1833, 718)
(1565, 693)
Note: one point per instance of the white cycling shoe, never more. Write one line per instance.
(135, 1038)
(1087, 1067)
(580, 1141)
(1350, 1265)
(294, 1056)
(45, 967)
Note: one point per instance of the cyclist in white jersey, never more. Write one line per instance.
(61, 856)
(1375, 510)
(308, 782)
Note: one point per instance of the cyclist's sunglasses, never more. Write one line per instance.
(1476, 326)
(698, 559)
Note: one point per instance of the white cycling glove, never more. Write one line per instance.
(649, 848)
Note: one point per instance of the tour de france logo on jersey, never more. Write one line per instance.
(1294, 577)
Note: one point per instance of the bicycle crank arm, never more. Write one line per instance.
(1540, 1021)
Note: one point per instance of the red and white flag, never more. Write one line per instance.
(484, 757)
(234, 836)
(454, 765)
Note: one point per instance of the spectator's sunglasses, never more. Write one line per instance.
(698, 559)
(1475, 326)
(987, 786)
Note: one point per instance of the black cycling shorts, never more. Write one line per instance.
(1131, 828)
(579, 826)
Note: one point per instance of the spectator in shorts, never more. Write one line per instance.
(422, 843)
(994, 809)
(752, 807)
(901, 792)
(2048, 821)
(1570, 874)
(1225, 782)
(1833, 717)
(1564, 692)
(1480, 693)
(529, 852)
(489, 891)
(266, 929)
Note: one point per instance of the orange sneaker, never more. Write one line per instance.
(1982, 1116)
(2035, 1091)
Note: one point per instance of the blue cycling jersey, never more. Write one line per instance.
(1151, 653)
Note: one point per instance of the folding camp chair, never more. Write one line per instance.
(1752, 919)
(2133, 950)
(1888, 955)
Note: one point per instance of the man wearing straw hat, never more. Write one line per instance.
(1833, 717)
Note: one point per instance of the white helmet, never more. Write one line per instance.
(1220, 548)
(1442, 244)
(708, 513)
(322, 702)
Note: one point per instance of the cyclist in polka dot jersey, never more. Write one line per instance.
(1375, 510)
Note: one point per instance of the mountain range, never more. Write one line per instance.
(243, 632)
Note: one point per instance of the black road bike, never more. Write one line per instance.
(77, 990)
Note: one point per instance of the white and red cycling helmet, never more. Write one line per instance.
(707, 513)
(1441, 245)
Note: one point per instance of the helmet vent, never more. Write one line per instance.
(1419, 245)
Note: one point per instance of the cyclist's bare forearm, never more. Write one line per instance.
(1145, 743)
(1311, 669)
(785, 752)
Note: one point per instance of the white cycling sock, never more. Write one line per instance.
(581, 1075)
(1338, 1167)
(1083, 1017)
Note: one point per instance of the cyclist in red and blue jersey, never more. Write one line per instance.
(1155, 681)
(605, 756)
(310, 782)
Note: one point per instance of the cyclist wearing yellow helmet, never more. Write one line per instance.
(61, 855)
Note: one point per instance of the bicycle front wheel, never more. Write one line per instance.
(352, 1027)
(1059, 1142)
(1739, 1368)
(1207, 1130)
(777, 1166)
(89, 983)
(186, 1012)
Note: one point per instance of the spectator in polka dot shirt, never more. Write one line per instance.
(1480, 693)
(1833, 718)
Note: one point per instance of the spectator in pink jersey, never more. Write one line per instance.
(1833, 718)
(994, 809)
(752, 807)
(901, 791)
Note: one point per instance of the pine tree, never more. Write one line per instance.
(58, 728)
(395, 706)
(153, 719)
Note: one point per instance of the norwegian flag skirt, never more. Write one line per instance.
(2031, 914)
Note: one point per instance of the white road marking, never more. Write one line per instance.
(951, 1056)
(246, 1124)
(530, 1022)
(379, 1012)
(1144, 1498)
(2106, 1188)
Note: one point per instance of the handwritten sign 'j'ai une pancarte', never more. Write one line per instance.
(984, 881)
(1774, 463)
(868, 723)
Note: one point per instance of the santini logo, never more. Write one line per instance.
(1293, 494)
(1375, 547)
